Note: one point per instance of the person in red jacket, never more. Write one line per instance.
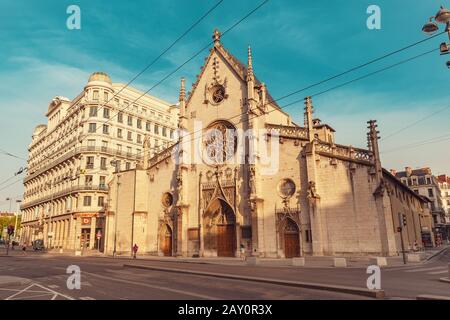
(135, 249)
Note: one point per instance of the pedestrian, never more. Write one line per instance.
(242, 251)
(135, 249)
(24, 248)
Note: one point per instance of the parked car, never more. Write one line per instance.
(38, 245)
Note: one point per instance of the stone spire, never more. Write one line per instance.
(216, 37)
(373, 137)
(250, 80)
(308, 116)
(250, 75)
(182, 100)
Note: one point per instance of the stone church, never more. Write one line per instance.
(216, 194)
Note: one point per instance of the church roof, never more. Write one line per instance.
(239, 67)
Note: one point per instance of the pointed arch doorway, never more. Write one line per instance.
(291, 239)
(219, 223)
(166, 241)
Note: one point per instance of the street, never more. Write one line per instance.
(43, 277)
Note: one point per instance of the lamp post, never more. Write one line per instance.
(442, 17)
(116, 165)
(17, 215)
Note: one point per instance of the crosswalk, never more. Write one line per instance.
(440, 270)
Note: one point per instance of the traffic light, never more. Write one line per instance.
(404, 219)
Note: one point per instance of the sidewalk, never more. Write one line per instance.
(310, 261)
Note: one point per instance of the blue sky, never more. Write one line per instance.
(294, 44)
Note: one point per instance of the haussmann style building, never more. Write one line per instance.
(72, 157)
(307, 195)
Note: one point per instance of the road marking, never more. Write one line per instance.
(86, 298)
(423, 269)
(47, 290)
(200, 296)
(438, 272)
(53, 286)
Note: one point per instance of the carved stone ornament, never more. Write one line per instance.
(312, 193)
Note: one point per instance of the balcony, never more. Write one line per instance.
(65, 192)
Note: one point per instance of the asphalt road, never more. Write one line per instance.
(104, 278)
(107, 278)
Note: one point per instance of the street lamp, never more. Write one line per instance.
(443, 17)
(116, 165)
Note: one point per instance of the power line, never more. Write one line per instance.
(179, 67)
(420, 143)
(101, 106)
(11, 155)
(328, 90)
(415, 123)
(359, 66)
(9, 185)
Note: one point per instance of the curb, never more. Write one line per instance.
(436, 254)
(431, 297)
(445, 280)
(377, 294)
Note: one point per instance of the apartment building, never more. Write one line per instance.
(72, 157)
(423, 182)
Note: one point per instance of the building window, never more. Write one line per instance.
(88, 181)
(95, 95)
(139, 138)
(171, 133)
(129, 151)
(147, 126)
(105, 96)
(87, 201)
(129, 136)
(430, 192)
(91, 144)
(164, 131)
(103, 163)
(105, 129)
(130, 120)
(89, 162)
(106, 113)
(119, 147)
(127, 166)
(119, 133)
(104, 145)
(92, 127)
(93, 111)
(102, 183)
(139, 123)
(101, 201)
(156, 130)
(120, 117)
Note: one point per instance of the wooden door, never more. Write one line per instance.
(167, 245)
(225, 240)
(291, 245)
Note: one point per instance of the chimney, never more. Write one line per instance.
(408, 171)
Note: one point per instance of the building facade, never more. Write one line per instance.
(243, 178)
(72, 157)
(444, 184)
(423, 182)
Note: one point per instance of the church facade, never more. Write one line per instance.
(244, 179)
